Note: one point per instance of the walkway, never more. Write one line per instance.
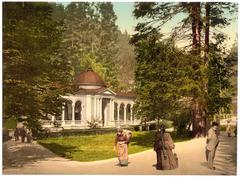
(34, 159)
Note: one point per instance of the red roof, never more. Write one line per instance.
(130, 94)
(89, 78)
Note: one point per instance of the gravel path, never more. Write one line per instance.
(23, 158)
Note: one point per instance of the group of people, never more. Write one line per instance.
(164, 147)
(23, 133)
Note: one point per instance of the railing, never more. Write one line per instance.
(67, 122)
(77, 122)
(49, 123)
(127, 122)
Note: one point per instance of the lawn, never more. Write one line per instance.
(96, 147)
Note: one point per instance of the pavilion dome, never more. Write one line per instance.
(89, 80)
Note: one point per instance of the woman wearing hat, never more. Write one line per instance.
(121, 146)
(163, 146)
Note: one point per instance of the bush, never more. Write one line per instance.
(10, 123)
(223, 128)
(181, 122)
(94, 123)
(136, 128)
(153, 127)
(46, 133)
(167, 123)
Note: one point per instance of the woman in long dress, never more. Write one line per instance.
(163, 146)
(121, 146)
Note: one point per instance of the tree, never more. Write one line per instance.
(33, 75)
(157, 98)
(220, 71)
(158, 14)
(126, 61)
(90, 39)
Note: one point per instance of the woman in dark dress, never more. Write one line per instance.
(163, 146)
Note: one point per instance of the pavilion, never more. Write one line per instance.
(92, 101)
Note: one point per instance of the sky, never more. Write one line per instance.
(126, 20)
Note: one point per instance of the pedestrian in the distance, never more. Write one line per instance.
(212, 144)
(29, 135)
(16, 134)
(229, 129)
(23, 133)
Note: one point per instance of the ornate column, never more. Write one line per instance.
(110, 110)
(95, 108)
(73, 113)
(125, 113)
(113, 110)
(118, 111)
(63, 114)
(131, 114)
(100, 109)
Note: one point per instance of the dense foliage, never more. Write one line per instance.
(205, 80)
(33, 75)
(46, 44)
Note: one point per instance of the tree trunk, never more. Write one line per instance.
(196, 27)
(207, 19)
(206, 58)
(158, 124)
(198, 119)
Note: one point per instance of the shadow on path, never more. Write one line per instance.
(17, 154)
(226, 155)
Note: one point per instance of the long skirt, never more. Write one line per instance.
(166, 160)
(122, 151)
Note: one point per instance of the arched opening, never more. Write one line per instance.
(121, 112)
(59, 117)
(68, 110)
(115, 111)
(78, 110)
(128, 112)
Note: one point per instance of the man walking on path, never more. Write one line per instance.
(212, 143)
(23, 134)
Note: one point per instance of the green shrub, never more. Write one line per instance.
(181, 121)
(94, 124)
(136, 128)
(10, 123)
(167, 123)
(223, 128)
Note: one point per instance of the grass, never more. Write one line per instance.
(97, 147)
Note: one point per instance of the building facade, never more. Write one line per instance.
(93, 102)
